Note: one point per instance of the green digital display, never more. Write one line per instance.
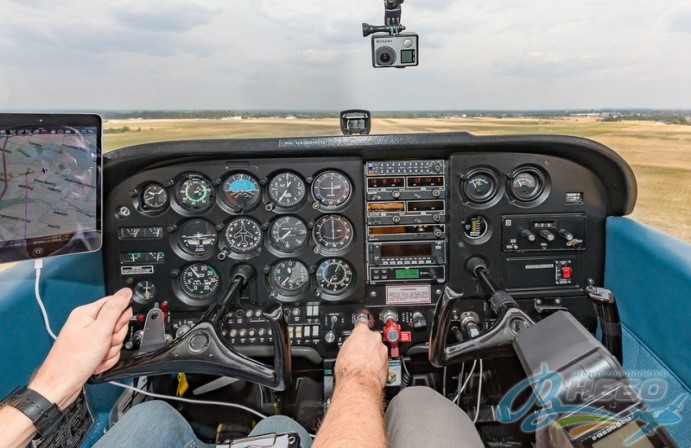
(403, 274)
(407, 56)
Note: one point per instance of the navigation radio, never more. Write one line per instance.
(406, 221)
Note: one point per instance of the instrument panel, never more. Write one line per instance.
(292, 220)
(345, 223)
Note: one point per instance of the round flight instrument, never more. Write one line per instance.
(475, 227)
(288, 234)
(241, 192)
(526, 185)
(144, 291)
(480, 187)
(199, 280)
(333, 232)
(243, 235)
(289, 277)
(334, 275)
(331, 189)
(287, 190)
(195, 192)
(197, 237)
(154, 197)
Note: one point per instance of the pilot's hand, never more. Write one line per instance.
(89, 342)
(363, 358)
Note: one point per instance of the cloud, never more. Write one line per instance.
(311, 54)
(175, 16)
(549, 67)
(680, 20)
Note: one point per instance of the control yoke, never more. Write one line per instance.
(204, 350)
(510, 321)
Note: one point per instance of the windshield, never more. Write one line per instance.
(615, 71)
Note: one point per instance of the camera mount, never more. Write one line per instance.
(392, 20)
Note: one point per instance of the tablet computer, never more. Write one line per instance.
(50, 185)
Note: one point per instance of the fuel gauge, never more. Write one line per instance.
(526, 185)
(480, 186)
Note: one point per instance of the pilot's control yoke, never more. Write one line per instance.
(204, 350)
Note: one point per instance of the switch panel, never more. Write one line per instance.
(524, 233)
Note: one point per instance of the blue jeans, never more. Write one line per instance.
(155, 424)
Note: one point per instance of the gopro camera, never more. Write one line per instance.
(399, 51)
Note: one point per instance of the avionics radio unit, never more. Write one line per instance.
(406, 221)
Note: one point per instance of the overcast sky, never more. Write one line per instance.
(310, 54)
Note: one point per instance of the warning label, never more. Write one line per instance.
(408, 295)
(136, 270)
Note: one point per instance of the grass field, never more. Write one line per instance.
(660, 155)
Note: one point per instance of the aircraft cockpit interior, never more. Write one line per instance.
(498, 270)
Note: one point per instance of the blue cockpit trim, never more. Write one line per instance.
(66, 282)
(649, 273)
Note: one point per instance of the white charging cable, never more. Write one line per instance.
(38, 266)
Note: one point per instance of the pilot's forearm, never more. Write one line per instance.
(17, 429)
(355, 417)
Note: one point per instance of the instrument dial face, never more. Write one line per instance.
(197, 237)
(241, 192)
(199, 280)
(287, 190)
(154, 197)
(480, 187)
(331, 189)
(475, 227)
(144, 291)
(526, 185)
(195, 193)
(288, 234)
(334, 275)
(289, 276)
(333, 232)
(243, 235)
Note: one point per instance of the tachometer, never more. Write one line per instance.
(333, 232)
(287, 189)
(243, 235)
(289, 277)
(288, 234)
(334, 275)
(331, 189)
(197, 237)
(241, 192)
(194, 192)
(199, 280)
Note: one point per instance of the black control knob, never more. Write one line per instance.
(528, 235)
(396, 219)
(396, 194)
(568, 236)
(547, 235)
